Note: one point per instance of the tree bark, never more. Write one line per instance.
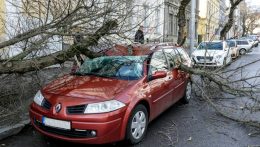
(22, 66)
(182, 22)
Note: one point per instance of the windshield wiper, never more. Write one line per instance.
(77, 74)
(82, 74)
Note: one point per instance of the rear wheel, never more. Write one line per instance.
(242, 51)
(187, 96)
(137, 124)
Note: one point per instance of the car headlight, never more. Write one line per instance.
(38, 98)
(103, 107)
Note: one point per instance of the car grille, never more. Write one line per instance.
(67, 133)
(203, 57)
(46, 104)
(76, 109)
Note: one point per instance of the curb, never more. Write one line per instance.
(13, 130)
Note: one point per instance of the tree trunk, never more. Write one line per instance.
(243, 25)
(182, 22)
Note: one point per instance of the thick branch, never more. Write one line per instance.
(61, 56)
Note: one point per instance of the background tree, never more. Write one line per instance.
(182, 22)
(230, 22)
(250, 20)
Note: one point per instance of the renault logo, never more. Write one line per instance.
(58, 108)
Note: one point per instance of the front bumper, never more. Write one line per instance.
(107, 127)
(212, 63)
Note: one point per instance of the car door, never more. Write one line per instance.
(244, 44)
(176, 83)
(160, 94)
(185, 59)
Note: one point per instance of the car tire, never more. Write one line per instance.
(188, 93)
(137, 124)
(242, 51)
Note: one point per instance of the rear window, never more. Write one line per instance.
(211, 46)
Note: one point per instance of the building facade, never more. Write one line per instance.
(159, 18)
(209, 19)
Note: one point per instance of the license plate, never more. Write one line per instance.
(204, 60)
(56, 123)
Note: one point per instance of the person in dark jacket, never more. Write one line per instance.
(139, 35)
(78, 38)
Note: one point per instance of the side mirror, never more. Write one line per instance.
(159, 74)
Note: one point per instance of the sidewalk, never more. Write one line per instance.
(7, 131)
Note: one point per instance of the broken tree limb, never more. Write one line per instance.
(22, 66)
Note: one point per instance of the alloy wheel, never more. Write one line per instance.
(242, 51)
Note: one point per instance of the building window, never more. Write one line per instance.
(175, 25)
(188, 26)
(171, 23)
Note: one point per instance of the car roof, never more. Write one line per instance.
(136, 49)
(242, 39)
(214, 41)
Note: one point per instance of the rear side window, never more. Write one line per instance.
(158, 62)
(242, 42)
(172, 57)
(184, 56)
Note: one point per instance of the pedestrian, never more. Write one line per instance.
(78, 38)
(139, 35)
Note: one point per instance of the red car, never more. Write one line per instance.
(112, 98)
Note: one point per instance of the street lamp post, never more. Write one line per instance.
(192, 26)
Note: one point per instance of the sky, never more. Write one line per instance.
(254, 3)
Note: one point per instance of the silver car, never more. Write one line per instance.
(243, 46)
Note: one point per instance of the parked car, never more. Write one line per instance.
(112, 98)
(252, 39)
(243, 46)
(255, 37)
(253, 43)
(214, 53)
(234, 49)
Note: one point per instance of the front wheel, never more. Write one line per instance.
(137, 124)
(187, 95)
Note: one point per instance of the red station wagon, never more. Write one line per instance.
(112, 98)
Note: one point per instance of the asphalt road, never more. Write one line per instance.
(192, 125)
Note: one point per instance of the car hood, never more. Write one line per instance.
(88, 87)
(208, 52)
